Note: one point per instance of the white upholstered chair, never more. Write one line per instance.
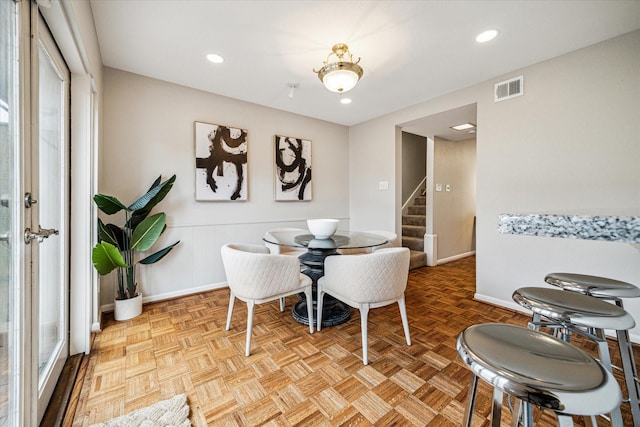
(286, 250)
(256, 276)
(367, 281)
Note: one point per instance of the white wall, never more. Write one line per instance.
(149, 130)
(369, 164)
(454, 210)
(571, 142)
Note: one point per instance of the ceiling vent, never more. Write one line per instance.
(509, 89)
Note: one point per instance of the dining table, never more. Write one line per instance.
(334, 311)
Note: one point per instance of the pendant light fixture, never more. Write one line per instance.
(342, 74)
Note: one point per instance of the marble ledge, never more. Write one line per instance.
(612, 228)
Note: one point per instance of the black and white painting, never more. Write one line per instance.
(293, 168)
(221, 162)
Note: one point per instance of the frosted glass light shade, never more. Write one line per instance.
(340, 81)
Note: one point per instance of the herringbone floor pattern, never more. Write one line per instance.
(292, 377)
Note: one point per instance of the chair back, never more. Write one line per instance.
(254, 273)
(368, 278)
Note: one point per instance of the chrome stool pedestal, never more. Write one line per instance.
(571, 312)
(537, 369)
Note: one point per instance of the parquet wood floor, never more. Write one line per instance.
(292, 377)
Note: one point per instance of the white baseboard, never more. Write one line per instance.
(517, 307)
(170, 295)
(455, 257)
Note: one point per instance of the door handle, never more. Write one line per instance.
(40, 235)
(4, 237)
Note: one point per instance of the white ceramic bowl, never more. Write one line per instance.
(322, 228)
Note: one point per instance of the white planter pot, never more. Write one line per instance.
(125, 309)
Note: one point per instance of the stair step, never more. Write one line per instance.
(420, 201)
(414, 220)
(413, 230)
(417, 210)
(418, 259)
(414, 243)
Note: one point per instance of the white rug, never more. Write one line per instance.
(173, 412)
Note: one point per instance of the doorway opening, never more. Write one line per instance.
(449, 180)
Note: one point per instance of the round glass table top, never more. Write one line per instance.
(340, 240)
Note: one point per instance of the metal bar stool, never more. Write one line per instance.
(595, 286)
(613, 290)
(537, 369)
(570, 312)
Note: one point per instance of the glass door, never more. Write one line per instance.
(34, 214)
(49, 232)
(10, 243)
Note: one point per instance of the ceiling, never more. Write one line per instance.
(412, 51)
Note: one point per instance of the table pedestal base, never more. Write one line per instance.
(334, 312)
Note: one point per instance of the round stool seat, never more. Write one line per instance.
(539, 369)
(581, 310)
(599, 287)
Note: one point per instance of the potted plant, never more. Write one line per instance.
(117, 244)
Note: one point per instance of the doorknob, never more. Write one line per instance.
(4, 237)
(40, 235)
(29, 200)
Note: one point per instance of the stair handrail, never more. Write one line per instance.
(412, 197)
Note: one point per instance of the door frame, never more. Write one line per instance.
(85, 109)
(44, 43)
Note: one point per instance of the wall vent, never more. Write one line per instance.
(509, 89)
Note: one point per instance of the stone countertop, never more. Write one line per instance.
(594, 226)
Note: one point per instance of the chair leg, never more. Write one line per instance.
(364, 315)
(320, 300)
(565, 421)
(250, 307)
(471, 400)
(232, 300)
(405, 321)
(282, 304)
(630, 373)
(309, 294)
(496, 407)
(518, 407)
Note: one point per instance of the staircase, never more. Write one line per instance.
(413, 229)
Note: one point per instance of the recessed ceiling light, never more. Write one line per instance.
(486, 36)
(345, 101)
(463, 126)
(216, 59)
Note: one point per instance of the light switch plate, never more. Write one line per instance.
(447, 188)
(383, 185)
(438, 187)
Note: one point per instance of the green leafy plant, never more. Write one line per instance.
(117, 244)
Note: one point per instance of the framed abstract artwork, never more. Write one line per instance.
(292, 168)
(221, 162)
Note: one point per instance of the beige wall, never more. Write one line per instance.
(414, 163)
(149, 130)
(454, 211)
(570, 142)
